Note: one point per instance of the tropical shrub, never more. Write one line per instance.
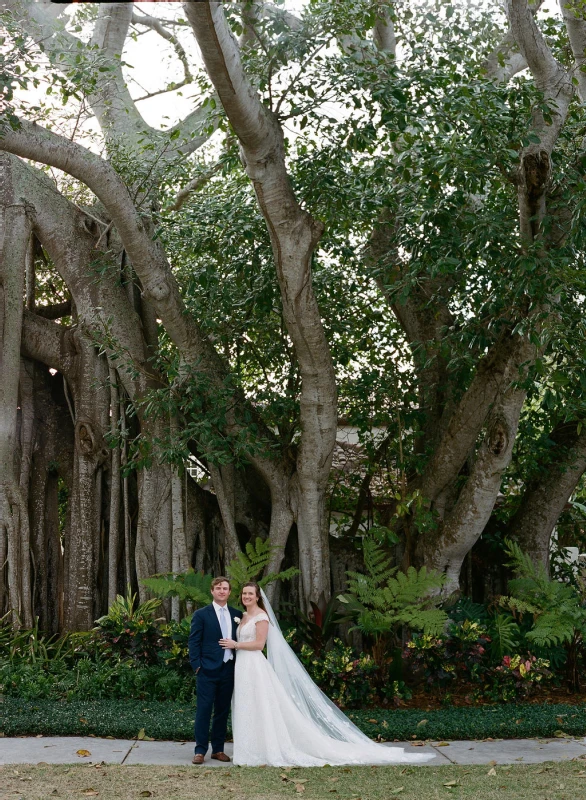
(129, 630)
(317, 628)
(459, 654)
(95, 680)
(384, 603)
(174, 638)
(556, 610)
(30, 645)
(517, 677)
(383, 600)
(344, 676)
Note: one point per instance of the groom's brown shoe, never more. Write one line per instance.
(197, 758)
(220, 756)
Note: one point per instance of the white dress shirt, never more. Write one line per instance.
(219, 612)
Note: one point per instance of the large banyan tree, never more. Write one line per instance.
(369, 218)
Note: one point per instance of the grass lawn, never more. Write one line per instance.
(565, 781)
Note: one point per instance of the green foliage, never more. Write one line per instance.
(317, 628)
(556, 608)
(129, 630)
(175, 652)
(29, 645)
(458, 654)
(504, 636)
(95, 679)
(517, 677)
(249, 566)
(190, 586)
(346, 677)
(194, 587)
(382, 599)
(174, 721)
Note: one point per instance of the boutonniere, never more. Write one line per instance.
(237, 620)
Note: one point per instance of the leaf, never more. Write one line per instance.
(491, 771)
(422, 722)
(299, 787)
(83, 753)
(90, 793)
(442, 744)
(146, 793)
(455, 782)
(398, 790)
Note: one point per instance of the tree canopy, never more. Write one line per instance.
(343, 291)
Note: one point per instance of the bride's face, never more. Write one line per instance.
(248, 596)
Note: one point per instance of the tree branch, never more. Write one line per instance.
(464, 524)
(47, 341)
(156, 25)
(549, 75)
(493, 375)
(575, 20)
(55, 311)
(506, 61)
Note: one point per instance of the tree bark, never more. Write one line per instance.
(115, 491)
(545, 499)
(15, 230)
(465, 523)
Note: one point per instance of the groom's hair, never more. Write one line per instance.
(220, 579)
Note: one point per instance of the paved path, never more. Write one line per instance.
(71, 750)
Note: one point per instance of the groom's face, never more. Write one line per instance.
(221, 593)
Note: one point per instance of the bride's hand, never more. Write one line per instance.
(228, 644)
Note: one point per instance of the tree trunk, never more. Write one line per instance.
(15, 230)
(464, 524)
(545, 499)
(115, 491)
(91, 403)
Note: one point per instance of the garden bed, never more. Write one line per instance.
(129, 719)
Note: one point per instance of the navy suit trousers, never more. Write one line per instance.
(214, 691)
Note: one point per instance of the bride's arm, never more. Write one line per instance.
(262, 630)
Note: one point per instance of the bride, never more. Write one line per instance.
(279, 716)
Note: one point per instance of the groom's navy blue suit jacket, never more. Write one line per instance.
(205, 633)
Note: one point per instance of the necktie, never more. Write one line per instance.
(225, 626)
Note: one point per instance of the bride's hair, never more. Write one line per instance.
(256, 587)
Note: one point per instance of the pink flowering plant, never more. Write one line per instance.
(517, 676)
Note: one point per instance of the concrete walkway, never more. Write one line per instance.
(90, 750)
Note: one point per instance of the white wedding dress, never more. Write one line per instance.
(280, 717)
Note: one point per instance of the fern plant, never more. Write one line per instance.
(382, 600)
(190, 587)
(194, 587)
(249, 566)
(557, 609)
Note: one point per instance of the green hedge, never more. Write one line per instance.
(125, 718)
(96, 680)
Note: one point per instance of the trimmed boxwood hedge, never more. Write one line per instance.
(125, 718)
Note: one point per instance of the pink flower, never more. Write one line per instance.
(507, 661)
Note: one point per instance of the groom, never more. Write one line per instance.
(214, 668)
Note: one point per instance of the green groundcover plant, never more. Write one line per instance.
(131, 719)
